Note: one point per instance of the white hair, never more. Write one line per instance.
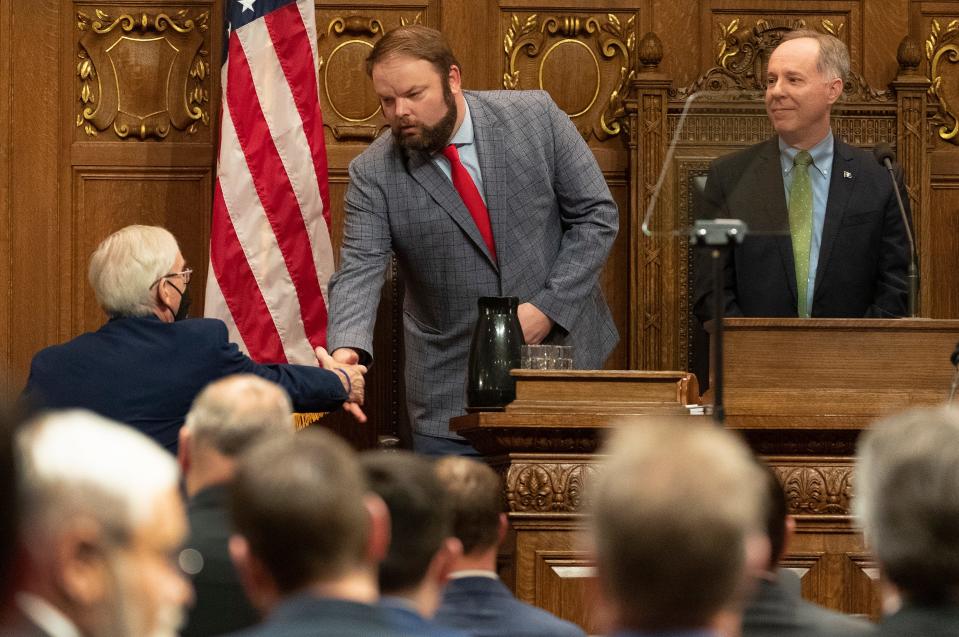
(125, 266)
(233, 411)
(78, 463)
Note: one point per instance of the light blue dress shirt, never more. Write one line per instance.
(819, 176)
(463, 139)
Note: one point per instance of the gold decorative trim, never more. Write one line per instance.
(342, 31)
(552, 48)
(355, 25)
(326, 82)
(941, 44)
(102, 95)
(741, 55)
(613, 39)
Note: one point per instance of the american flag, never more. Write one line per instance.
(270, 251)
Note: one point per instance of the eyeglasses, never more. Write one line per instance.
(185, 275)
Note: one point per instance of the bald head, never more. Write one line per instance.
(235, 410)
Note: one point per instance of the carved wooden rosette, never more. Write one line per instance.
(143, 74)
(819, 487)
(585, 62)
(535, 485)
(351, 110)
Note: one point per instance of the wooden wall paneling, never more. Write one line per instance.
(466, 25)
(37, 256)
(615, 276)
(937, 25)
(686, 48)
(6, 192)
(553, 569)
(940, 238)
(108, 198)
(884, 25)
(141, 98)
(568, 586)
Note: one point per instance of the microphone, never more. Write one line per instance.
(885, 156)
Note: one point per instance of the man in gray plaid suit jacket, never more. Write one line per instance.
(552, 216)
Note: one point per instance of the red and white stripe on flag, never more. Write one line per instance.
(270, 251)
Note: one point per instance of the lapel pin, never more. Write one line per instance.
(847, 174)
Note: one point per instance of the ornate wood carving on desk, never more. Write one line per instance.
(801, 390)
(543, 445)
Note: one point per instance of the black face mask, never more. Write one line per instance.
(184, 310)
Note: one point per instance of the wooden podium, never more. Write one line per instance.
(543, 445)
(799, 391)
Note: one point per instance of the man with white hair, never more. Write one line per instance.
(907, 498)
(100, 533)
(145, 366)
(226, 418)
(678, 526)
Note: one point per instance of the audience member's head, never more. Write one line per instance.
(677, 517)
(304, 520)
(102, 522)
(907, 497)
(779, 526)
(475, 495)
(139, 271)
(226, 417)
(422, 549)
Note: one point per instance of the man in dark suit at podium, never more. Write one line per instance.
(827, 238)
(907, 499)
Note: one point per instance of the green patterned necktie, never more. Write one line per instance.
(800, 225)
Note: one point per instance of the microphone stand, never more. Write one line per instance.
(719, 236)
(912, 274)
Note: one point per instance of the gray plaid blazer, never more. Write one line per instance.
(554, 222)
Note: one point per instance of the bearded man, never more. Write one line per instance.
(490, 193)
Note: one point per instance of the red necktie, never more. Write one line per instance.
(471, 197)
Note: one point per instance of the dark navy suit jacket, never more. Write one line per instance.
(484, 607)
(921, 621)
(864, 253)
(146, 373)
(220, 604)
(308, 616)
(408, 620)
(778, 610)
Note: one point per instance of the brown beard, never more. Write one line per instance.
(432, 139)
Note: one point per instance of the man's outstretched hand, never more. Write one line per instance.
(344, 363)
